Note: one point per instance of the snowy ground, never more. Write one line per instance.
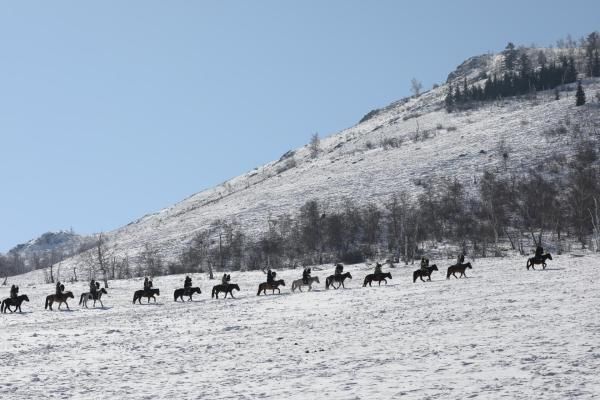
(503, 333)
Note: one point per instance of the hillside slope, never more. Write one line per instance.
(355, 163)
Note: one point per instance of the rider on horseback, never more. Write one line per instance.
(93, 289)
(460, 259)
(539, 252)
(424, 263)
(271, 276)
(59, 288)
(377, 270)
(306, 276)
(147, 284)
(187, 284)
(339, 269)
(225, 279)
(14, 291)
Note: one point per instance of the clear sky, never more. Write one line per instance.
(113, 109)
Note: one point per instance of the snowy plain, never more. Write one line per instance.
(503, 333)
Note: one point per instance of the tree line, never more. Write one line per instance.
(508, 210)
(519, 77)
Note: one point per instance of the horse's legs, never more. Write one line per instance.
(421, 277)
(544, 265)
(67, 304)
(429, 277)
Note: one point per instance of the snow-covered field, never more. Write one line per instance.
(503, 333)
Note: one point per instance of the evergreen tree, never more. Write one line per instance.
(510, 57)
(596, 64)
(449, 100)
(571, 71)
(457, 96)
(580, 95)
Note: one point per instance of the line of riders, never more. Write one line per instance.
(539, 258)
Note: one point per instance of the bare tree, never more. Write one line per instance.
(416, 86)
(315, 145)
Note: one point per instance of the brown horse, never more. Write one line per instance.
(458, 268)
(263, 287)
(60, 298)
(337, 278)
(225, 289)
(149, 294)
(377, 278)
(532, 261)
(421, 273)
(10, 302)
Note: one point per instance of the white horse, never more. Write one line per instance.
(88, 296)
(297, 284)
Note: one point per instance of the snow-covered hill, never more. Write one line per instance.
(504, 333)
(358, 163)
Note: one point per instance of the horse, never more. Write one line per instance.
(532, 261)
(179, 293)
(88, 296)
(377, 277)
(263, 287)
(10, 302)
(337, 278)
(60, 298)
(298, 283)
(452, 270)
(137, 296)
(225, 289)
(421, 273)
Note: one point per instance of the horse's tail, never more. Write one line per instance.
(327, 282)
(134, 297)
(259, 289)
(47, 302)
(2, 306)
(81, 299)
(448, 273)
(366, 281)
(415, 276)
(175, 295)
(528, 263)
(212, 296)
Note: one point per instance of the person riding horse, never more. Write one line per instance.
(187, 284)
(377, 270)
(14, 292)
(339, 269)
(460, 260)
(147, 284)
(306, 276)
(94, 290)
(225, 279)
(271, 276)
(539, 252)
(424, 263)
(59, 288)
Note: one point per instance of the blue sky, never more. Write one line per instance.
(110, 110)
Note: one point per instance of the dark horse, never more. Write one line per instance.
(421, 273)
(532, 261)
(225, 289)
(337, 278)
(10, 302)
(458, 268)
(179, 293)
(61, 298)
(263, 287)
(149, 294)
(377, 278)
